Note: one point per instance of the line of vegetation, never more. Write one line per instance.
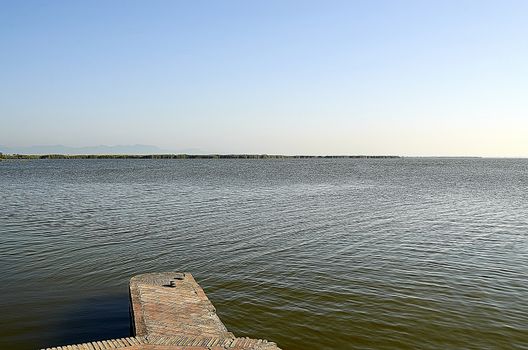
(175, 156)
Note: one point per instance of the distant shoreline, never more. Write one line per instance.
(181, 156)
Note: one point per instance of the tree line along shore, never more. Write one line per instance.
(177, 156)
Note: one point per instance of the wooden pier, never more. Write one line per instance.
(170, 311)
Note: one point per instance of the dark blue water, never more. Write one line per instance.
(312, 254)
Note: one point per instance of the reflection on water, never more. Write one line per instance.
(312, 254)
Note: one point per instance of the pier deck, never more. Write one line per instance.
(170, 311)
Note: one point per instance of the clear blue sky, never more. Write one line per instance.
(312, 77)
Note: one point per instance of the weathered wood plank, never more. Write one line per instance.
(170, 311)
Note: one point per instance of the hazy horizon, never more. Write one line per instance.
(138, 149)
(276, 77)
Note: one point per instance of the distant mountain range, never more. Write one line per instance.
(100, 149)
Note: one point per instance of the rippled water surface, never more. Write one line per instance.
(313, 254)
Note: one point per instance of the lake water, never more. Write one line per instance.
(312, 254)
